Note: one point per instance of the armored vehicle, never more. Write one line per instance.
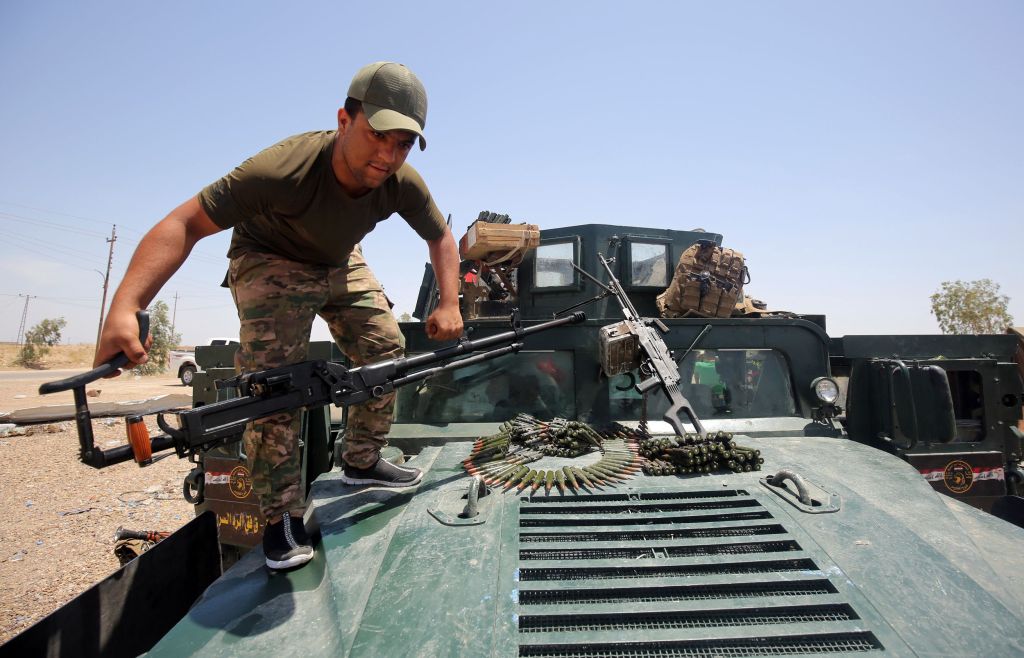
(823, 539)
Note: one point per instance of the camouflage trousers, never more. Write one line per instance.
(277, 301)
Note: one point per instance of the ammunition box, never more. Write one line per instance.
(619, 349)
(487, 241)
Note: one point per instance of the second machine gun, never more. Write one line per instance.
(305, 385)
(643, 349)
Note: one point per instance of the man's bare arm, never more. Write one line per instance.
(158, 256)
(445, 323)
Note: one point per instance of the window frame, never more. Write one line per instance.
(626, 273)
(576, 283)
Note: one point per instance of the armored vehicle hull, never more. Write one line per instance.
(700, 565)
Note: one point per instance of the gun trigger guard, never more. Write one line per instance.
(173, 432)
(176, 434)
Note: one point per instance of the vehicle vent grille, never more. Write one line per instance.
(697, 619)
(684, 533)
(527, 574)
(635, 508)
(756, 646)
(640, 552)
(652, 594)
(552, 522)
(695, 573)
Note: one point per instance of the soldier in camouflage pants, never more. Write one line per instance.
(277, 300)
(297, 211)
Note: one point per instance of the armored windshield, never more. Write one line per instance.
(535, 383)
(718, 383)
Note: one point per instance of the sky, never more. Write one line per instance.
(858, 154)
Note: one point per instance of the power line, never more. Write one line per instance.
(56, 212)
(61, 305)
(6, 216)
(196, 253)
(49, 247)
(50, 299)
(49, 257)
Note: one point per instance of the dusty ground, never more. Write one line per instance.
(59, 518)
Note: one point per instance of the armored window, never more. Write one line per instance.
(553, 265)
(538, 383)
(719, 384)
(968, 404)
(648, 265)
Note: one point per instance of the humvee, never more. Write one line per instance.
(868, 528)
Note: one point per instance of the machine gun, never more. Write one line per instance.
(636, 343)
(304, 385)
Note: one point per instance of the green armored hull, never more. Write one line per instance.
(718, 564)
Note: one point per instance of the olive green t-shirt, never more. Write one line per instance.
(286, 201)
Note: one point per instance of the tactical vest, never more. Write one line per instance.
(707, 282)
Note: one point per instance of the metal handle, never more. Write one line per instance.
(100, 371)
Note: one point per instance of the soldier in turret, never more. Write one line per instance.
(298, 211)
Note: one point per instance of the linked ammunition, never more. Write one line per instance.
(517, 478)
(693, 453)
(572, 478)
(504, 476)
(582, 477)
(528, 479)
(537, 481)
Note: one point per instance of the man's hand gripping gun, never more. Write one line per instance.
(304, 385)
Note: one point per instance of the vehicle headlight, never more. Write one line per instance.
(825, 389)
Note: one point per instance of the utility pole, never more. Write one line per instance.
(174, 314)
(106, 280)
(24, 316)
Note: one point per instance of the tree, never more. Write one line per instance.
(38, 341)
(163, 340)
(971, 307)
(405, 317)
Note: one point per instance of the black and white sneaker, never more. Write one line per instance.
(383, 473)
(286, 544)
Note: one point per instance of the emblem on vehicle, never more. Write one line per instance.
(958, 476)
(240, 482)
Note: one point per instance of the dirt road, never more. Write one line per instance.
(57, 528)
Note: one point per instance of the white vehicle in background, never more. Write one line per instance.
(183, 362)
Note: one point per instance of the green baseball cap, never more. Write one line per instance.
(393, 98)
